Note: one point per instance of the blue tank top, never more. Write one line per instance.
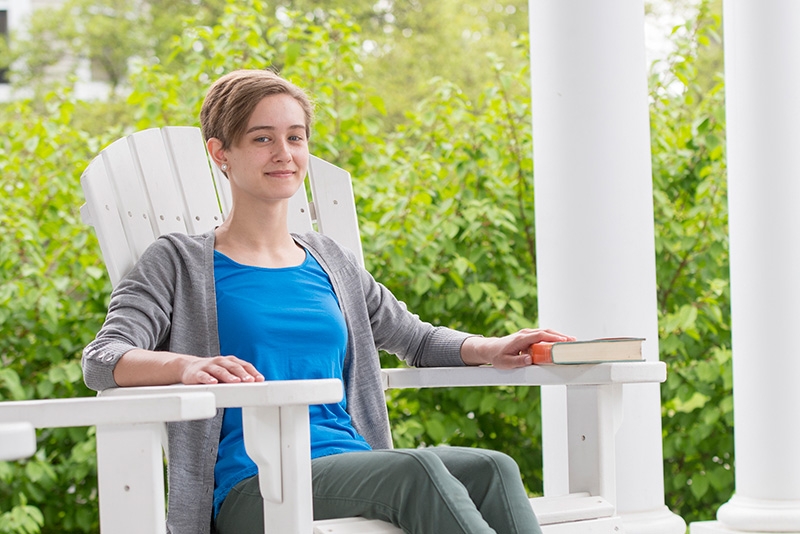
(287, 322)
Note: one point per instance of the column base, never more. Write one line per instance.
(716, 527)
(746, 514)
(659, 521)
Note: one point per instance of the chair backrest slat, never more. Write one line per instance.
(168, 213)
(335, 204)
(190, 165)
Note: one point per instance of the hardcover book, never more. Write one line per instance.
(616, 349)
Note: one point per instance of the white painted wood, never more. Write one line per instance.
(300, 212)
(335, 205)
(166, 208)
(589, 90)
(536, 375)
(124, 175)
(354, 525)
(129, 459)
(594, 416)
(604, 525)
(102, 211)
(570, 508)
(762, 73)
(90, 411)
(17, 441)
(130, 479)
(271, 393)
(285, 464)
(262, 428)
(192, 170)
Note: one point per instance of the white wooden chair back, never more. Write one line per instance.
(159, 181)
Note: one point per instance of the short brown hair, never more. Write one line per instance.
(231, 100)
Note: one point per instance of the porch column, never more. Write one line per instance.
(762, 80)
(594, 224)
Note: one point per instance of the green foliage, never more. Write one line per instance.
(53, 291)
(689, 178)
(105, 35)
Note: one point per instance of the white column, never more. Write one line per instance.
(594, 224)
(762, 82)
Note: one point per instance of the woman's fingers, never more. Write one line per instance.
(225, 369)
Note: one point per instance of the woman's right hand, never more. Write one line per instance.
(224, 369)
(139, 367)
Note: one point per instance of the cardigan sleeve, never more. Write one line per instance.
(398, 331)
(139, 315)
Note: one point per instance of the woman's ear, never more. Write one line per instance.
(217, 153)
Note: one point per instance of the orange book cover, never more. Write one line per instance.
(617, 349)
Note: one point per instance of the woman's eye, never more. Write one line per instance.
(262, 139)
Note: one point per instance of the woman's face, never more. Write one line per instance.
(271, 159)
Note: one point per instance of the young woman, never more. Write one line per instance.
(250, 301)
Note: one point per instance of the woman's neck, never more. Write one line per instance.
(261, 239)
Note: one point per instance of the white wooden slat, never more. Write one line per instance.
(17, 441)
(270, 393)
(90, 411)
(126, 182)
(103, 212)
(534, 375)
(130, 479)
(594, 417)
(579, 507)
(166, 204)
(603, 525)
(195, 182)
(335, 206)
(572, 507)
(354, 525)
(284, 471)
(299, 217)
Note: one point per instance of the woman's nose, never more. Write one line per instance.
(282, 152)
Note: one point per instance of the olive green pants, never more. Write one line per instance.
(438, 490)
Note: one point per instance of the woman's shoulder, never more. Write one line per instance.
(181, 244)
(176, 253)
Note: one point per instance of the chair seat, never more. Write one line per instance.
(354, 525)
(572, 507)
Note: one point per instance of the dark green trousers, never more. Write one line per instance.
(437, 490)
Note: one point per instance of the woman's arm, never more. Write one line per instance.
(139, 367)
(507, 352)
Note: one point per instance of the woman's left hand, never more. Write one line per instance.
(509, 351)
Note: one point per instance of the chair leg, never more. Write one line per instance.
(130, 478)
(594, 416)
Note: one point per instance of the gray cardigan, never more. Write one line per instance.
(167, 302)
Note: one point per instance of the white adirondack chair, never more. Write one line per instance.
(160, 180)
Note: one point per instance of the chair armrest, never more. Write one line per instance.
(269, 393)
(91, 411)
(533, 375)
